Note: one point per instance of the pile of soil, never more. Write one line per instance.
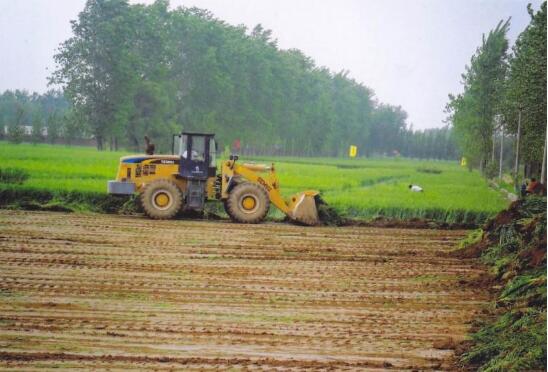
(524, 216)
(512, 333)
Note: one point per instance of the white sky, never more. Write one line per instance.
(410, 52)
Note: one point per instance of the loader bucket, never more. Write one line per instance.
(303, 208)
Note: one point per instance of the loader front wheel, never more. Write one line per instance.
(247, 203)
(161, 199)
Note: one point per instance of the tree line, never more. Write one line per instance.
(504, 96)
(135, 70)
(18, 109)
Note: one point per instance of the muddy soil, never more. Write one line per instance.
(114, 292)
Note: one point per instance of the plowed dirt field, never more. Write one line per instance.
(113, 292)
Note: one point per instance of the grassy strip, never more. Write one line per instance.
(467, 217)
(513, 244)
(34, 199)
(18, 197)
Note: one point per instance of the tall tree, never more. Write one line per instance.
(526, 88)
(472, 113)
(96, 67)
(131, 70)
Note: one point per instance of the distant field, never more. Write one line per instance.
(362, 188)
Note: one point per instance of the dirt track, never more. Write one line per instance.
(99, 291)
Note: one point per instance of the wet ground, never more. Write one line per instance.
(113, 292)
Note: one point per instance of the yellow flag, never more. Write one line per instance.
(353, 151)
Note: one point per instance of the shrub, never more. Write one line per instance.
(429, 170)
(13, 175)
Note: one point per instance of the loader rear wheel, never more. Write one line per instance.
(161, 199)
(247, 203)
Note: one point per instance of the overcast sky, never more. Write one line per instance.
(410, 52)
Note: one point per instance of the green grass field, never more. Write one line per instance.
(360, 188)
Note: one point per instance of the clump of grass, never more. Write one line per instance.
(472, 238)
(516, 341)
(429, 170)
(349, 166)
(370, 182)
(514, 245)
(13, 175)
(34, 199)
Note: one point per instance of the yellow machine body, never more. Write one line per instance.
(138, 171)
(169, 184)
(144, 169)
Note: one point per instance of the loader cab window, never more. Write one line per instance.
(198, 148)
(184, 145)
(195, 161)
(212, 153)
(179, 144)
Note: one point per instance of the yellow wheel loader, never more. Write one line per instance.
(184, 181)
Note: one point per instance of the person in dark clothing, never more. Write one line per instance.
(531, 187)
(535, 187)
(149, 147)
(523, 189)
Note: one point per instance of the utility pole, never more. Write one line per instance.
(543, 173)
(501, 149)
(516, 167)
(494, 141)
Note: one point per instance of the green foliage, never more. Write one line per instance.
(37, 127)
(158, 70)
(527, 288)
(491, 170)
(356, 188)
(515, 339)
(472, 113)
(496, 83)
(19, 108)
(429, 170)
(16, 133)
(59, 200)
(473, 237)
(526, 86)
(13, 175)
(54, 127)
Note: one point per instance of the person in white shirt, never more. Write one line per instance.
(415, 188)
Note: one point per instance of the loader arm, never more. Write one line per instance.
(301, 207)
(251, 173)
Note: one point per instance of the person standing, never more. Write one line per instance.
(149, 147)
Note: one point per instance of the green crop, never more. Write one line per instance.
(359, 188)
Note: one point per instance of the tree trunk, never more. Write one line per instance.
(543, 172)
(501, 149)
(493, 149)
(516, 166)
(99, 140)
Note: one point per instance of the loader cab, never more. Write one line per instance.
(196, 155)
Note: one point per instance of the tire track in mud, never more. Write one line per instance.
(103, 292)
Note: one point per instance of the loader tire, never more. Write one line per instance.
(161, 199)
(247, 203)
